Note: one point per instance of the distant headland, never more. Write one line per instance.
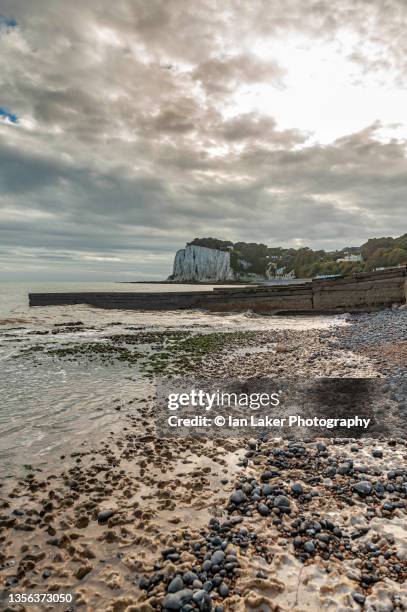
(213, 260)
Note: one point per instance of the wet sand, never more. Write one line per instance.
(135, 522)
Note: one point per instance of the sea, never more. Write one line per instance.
(50, 407)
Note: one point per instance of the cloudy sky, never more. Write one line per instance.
(130, 127)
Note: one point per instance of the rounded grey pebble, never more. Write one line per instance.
(175, 601)
(263, 509)
(281, 501)
(238, 497)
(363, 488)
(359, 598)
(199, 595)
(105, 516)
(176, 584)
(217, 557)
(309, 547)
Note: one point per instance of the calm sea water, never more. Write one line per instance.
(14, 296)
(48, 408)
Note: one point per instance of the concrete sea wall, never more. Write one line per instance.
(358, 292)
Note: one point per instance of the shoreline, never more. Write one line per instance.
(241, 523)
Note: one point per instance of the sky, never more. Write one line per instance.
(128, 128)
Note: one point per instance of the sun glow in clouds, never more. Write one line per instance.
(325, 90)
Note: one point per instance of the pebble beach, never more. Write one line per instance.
(126, 520)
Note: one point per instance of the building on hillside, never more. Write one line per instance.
(351, 257)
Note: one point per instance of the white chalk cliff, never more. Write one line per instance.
(197, 263)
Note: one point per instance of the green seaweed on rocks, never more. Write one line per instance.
(102, 351)
(185, 354)
(157, 353)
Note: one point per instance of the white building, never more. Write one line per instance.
(351, 257)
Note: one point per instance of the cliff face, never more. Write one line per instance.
(197, 263)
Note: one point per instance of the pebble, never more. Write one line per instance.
(238, 497)
(176, 584)
(105, 515)
(281, 501)
(268, 474)
(309, 547)
(359, 598)
(189, 577)
(363, 488)
(263, 509)
(199, 595)
(297, 489)
(175, 601)
(217, 557)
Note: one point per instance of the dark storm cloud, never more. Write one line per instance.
(125, 145)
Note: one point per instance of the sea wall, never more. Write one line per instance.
(358, 292)
(361, 291)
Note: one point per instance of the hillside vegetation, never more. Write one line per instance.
(259, 259)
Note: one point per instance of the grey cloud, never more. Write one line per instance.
(252, 126)
(223, 74)
(129, 148)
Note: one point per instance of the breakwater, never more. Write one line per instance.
(365, 291)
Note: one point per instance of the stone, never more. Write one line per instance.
(189, 577)
(268, 474)
(217, 557)
(105, 515)
(263, 509)
(175, 601)
(199, 595)
(176, 584)
(208, 586)
(344, 468)
(267, 489)
(363, 488)
(359, 598)
(144, 583)
(238, 497)
(309, 547)
(388, 506)
(281, 501)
